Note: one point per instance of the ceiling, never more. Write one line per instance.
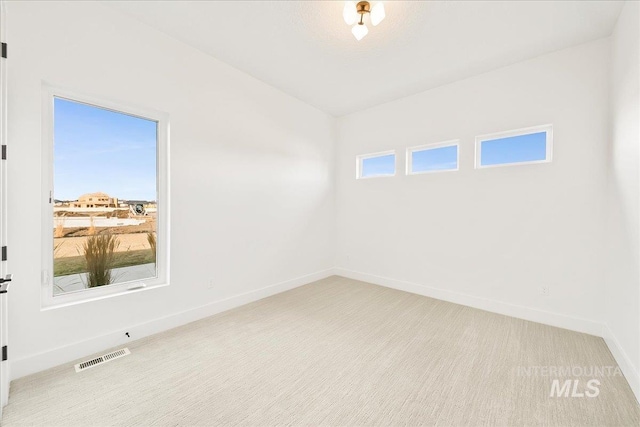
(305, 49)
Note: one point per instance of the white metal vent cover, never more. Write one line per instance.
(102, 359)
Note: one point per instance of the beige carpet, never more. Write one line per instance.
(335, 352)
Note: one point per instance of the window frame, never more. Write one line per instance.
(548, 129)
(361, 157)
(425, 147)
(48, 300)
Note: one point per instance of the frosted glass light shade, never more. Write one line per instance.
(359, 31)
(377, 13)
(349, 13)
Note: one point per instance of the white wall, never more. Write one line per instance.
(251, 177)
(622, 281)
(488, 238)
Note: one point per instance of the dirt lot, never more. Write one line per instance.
(148, 225)
(72, 246)
(113, 214)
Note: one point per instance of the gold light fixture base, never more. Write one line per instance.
(363, 7)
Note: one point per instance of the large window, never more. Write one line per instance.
(376, 165)
(531, 145)
(433, 158)
(107, 200)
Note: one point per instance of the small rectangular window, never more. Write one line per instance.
(433, 158)
(373, 165)
(531, 145)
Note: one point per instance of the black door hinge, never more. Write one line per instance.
(4, 353)
(4, 152)
(4, 253)
(4, 50)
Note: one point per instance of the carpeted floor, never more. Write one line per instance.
(337, 352)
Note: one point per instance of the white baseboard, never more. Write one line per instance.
(494, 306)
(45, 360)
(628, 370)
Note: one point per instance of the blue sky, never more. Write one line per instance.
(381, 165)
(441, 158)
(514, 149)
(102, 150)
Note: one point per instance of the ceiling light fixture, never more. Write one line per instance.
(352, 10)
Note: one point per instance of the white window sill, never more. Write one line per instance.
(76, 298)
